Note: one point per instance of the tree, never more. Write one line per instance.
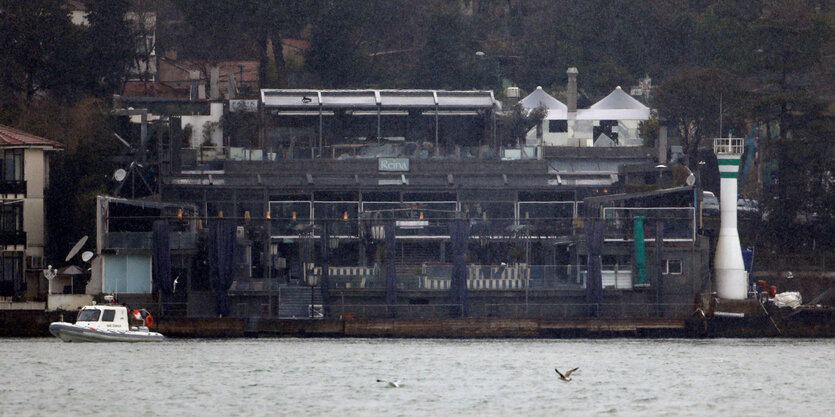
(40, 49)
(109, 46)
(515, 123)
(336, 53)
(447, 58)
(690, 101)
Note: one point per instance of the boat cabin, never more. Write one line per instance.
(104, 317)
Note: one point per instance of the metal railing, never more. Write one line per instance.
(679, 222)
(12, 238)
(512, 310)
(144, 240)
(728, 146)
(12, 187)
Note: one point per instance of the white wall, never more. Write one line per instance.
(198, 121)
(35, 173)
(580, 134)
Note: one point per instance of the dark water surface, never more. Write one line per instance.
(337, 377)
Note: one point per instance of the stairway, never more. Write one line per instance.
(294, 301)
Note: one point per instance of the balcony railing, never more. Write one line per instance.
(12, 238)
(12, 187)
(144, 240)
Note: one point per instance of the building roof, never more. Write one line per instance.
(243, 70)
(616, 106)
(372, 99)
(148, 89)
(540, 98)
(10, 136)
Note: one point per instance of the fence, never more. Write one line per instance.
(514, 310)
(479, 277)
(679, 222)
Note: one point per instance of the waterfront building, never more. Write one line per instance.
(405, 203)
(24, 167)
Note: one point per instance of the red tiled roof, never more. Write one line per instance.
(10, 136)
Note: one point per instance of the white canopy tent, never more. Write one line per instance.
(616, 106)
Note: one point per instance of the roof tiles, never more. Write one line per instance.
(10, 136)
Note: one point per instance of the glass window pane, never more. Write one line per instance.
(674, 266)
(138, 274)
(108, 315)
(115, 274)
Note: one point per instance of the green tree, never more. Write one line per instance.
(448, 58)
(109, 46)
(690, 100)
(336, 53)
(40, 49)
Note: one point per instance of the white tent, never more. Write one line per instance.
(540, 98)
(616, 106)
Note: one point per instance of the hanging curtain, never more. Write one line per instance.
(595, 230)
(221, 245)
(162, 259)
(324, 261)
(459, 231)
(391, 270)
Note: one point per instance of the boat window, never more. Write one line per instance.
(108, 315)
(89, 315)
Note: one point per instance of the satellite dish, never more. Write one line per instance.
(76, 248)
(86, 256)
(120, 175)
(691, 179)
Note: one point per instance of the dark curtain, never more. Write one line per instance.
(659, 262)
(595, 230)
(325, 264)
(162, 258)
(221, 246)
(459, 231)
(391, 270)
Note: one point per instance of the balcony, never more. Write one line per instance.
(13, 187)
(12, 238)
(144, 240)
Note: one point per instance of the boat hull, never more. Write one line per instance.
(69, 332)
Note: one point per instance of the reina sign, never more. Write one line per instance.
(393, 164)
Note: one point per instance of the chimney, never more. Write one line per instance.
(571, 91)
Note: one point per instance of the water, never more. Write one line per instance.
(329, 377)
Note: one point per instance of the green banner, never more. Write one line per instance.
(640, 252)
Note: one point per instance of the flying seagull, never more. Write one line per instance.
(394, 383)
(567, 376)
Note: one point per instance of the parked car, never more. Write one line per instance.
(747, 208)
(710, 204)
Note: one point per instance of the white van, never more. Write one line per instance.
(710, 204)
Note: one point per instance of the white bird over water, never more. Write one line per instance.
(394, 383)
(567, 376)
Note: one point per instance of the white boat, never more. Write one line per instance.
(106, 323)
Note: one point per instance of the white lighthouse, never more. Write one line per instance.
(731, 278)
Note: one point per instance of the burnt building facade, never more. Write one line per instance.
(414, 203)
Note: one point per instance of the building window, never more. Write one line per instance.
(11, 274)
(11, 217)
(12, 164)
(672, 267)
(557, 126)
(108, 315)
